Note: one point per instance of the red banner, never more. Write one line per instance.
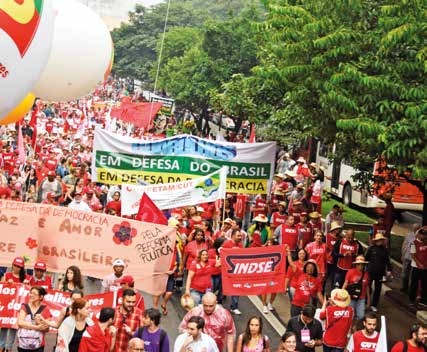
(139, 114)
(13, 295)
(254, 271)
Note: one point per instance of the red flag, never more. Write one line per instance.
(252, 135)
(139, 114)
(148, 212)
(21, 149)
(33, 120)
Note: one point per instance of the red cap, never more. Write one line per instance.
(304, 213)
(127, 279)
(51, 173)
(41, 265)
(51, 195)
(19, 261)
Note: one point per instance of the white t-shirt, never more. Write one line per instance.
(82, 206)
(203, 344)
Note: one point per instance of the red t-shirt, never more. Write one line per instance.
(290, 236)
(232, 244)
(306, 288)
(359, 342)
(318, 253)
(293, 276)
(212, 257)
(260, 203)
(192, 249)
(45, 282)
(353, 276)
(9, 276)
(338, 324)
(277, 219)
(345, 262)
(202, 279)
(398, 347)
(95, 340)
(330, 243)
(209, 210)
(304, 233)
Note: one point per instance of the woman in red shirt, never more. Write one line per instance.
(307, 287)
(199, 280)
(193, 247)
(358, 302)
(216, 272)
(16, 276)
(317, 251)
(294, 271)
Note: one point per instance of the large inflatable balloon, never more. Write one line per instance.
(26, 31)
(19, 111)
(81, 53)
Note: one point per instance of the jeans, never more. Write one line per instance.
(217, 286)
(377, 279)
(339, 278)
(196, 296)
(418, 275)
(406, 274)
(295, 310)
(332, 349)
(358, 306)
(7, 341)
(234, 302)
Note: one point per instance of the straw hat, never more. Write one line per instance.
(291, 173)
(282, 203)
(300, 185)
(340, 297)
(379, 236)
(314, 215)
(360, 259)
(279, 175)
(335, 225)
(278, 193)
(261, 218)
(200, 209)
(301, 160)
(187, 302)
(173, 222)
(228, 221)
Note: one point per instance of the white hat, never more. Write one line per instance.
(301, 160)
(119, 262)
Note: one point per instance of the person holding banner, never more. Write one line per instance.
(16, 275)
(40, 278)
(32, 319)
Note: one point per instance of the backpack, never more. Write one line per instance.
(405, 346)
(355, 289)
(140, 331)
(30, 339)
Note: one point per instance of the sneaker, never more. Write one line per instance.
(265, 310)
(236, 311)
(270, 307)
(374, 309)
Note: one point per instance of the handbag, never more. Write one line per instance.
(355, 290)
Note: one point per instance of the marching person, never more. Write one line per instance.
(111, 282)
(252, 340)
(357, 284)
(154, 338)
(344, 252)
(288, 342)
(365, 340)
(127, 320)
(379, 265)
(136, 345)
(219, 322)
(100, 336)
(307, 329)
(416, 342)
(332, 236)
(419, 267)
(193, 339)
(339, 318)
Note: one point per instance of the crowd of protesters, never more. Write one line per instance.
(328, 268)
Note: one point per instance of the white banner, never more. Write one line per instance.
(178, 194)
(125, 160)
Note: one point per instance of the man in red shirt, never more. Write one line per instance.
(365, 340)
(416, 342)
(339, 318)
(127, 282)
(344, 253)
(419, 266)
(279, 217)
(100, 336)
(288, 234)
